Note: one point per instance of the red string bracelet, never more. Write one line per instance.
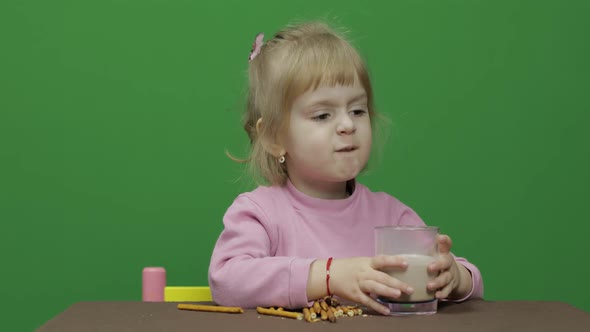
(328, 275)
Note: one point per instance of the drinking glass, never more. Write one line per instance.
(418, 246)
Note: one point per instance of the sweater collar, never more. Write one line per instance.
(304, 201)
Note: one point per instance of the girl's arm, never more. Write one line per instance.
(472, 283)
(243, 271)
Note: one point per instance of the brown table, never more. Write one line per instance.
(467, 316)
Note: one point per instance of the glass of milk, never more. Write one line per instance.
(418, 246)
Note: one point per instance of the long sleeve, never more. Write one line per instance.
(244, 270)
(476, 280)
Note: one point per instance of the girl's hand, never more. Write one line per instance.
(355, 278)
(450, 280)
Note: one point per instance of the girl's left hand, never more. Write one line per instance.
(449, 274)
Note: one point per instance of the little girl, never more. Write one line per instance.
(310, 232)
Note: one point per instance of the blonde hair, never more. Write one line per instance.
(297, 59)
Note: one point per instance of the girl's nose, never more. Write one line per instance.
(346, 125)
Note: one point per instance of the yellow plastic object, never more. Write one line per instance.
(187, 294)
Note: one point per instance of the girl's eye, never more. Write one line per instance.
(320, 117)
(359, 112)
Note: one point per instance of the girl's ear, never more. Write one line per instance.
(270, 145)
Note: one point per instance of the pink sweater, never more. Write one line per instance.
(273, 234)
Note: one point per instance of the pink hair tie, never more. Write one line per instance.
(256, 46)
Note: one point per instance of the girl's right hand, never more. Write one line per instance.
(356, 278)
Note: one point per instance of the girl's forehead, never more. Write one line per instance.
(330, 89)
(331, 95)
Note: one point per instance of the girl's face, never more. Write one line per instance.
(328, 141)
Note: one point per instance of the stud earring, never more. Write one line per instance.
(282, 159)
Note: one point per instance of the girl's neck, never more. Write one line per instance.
(325, 190)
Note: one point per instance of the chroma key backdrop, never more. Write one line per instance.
(115, 117)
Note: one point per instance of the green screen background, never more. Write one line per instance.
(115, 117)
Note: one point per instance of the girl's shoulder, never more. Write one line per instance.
(385, 203)
(264, 193)
(377, 196)
(266, 205)
(264, 197)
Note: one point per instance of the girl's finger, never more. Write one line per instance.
(393, 283)
(374, 287)
(369, 302)
(444, 243)
(441, 281)
(380, 262)
(446, 262)
(444, 292)
(443, 262)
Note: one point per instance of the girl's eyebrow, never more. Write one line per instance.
(357, 98)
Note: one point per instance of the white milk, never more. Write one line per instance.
(417, 276)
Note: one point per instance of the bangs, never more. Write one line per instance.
(333, 69)
(323, 61)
